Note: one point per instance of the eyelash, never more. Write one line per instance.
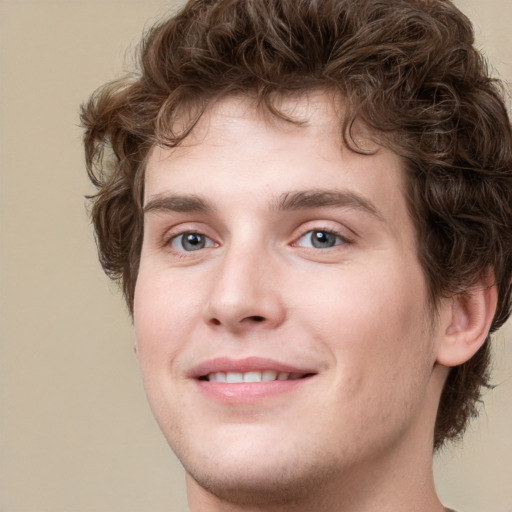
(340, 239)
(170, 241)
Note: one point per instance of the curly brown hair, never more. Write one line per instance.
(408, 70)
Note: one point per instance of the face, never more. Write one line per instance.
(281, 314)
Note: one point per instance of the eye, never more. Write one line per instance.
(320, 239)
(191, 241)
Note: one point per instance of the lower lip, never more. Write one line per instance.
(247, 392)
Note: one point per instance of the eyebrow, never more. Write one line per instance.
(309, 199)
(178, 203)
(296, 200)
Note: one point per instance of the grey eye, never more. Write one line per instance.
(319, 239)
(191, 242)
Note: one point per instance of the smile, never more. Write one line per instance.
(249, 380)
(252, 376)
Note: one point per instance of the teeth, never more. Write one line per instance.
(252, 377)
(234, 377)
(268, 375)
(255, 376)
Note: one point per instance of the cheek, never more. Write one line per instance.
(159, 321)
(375, 321)
(383, 353)
(161, 312)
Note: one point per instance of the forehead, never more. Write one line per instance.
(229, 119)
(238, 150)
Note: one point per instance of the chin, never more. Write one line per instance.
(263, 484)
(255, 465)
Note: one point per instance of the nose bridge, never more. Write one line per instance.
(244, 290)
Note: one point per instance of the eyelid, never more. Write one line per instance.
(181, 229)
(174, 238)
(338, 239)
(345, 234)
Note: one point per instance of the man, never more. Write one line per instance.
(308, 206)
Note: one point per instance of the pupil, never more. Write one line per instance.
(323, 239)
(193, 241)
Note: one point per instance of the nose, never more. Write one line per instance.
(245, 292)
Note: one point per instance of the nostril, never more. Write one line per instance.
(248, 319)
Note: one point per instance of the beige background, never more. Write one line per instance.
(76, 434)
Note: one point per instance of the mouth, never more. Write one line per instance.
(244, 381)
(253, 376)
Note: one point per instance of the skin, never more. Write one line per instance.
(357, 434)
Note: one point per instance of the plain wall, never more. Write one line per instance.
(76, 434)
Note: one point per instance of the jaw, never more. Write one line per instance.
(267, 467)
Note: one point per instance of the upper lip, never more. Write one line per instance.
(248, 364)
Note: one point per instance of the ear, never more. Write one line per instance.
(467, 320)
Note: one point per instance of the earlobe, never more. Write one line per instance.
(468, 323)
